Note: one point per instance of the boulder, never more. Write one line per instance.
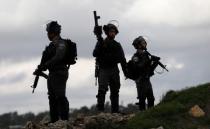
(196, 111)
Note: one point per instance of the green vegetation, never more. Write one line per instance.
(172, 111)
(13, 118)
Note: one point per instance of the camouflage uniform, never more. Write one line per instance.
(143, 84)
(108, 54)
(58, 75)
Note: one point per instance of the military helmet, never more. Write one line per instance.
(138, 40)
(53, 27)
(108, 27)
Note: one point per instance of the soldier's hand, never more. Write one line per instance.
(97, 30)
(155, 58)
(39, 69)
(126, 73)
(42, 67)
(36, 72)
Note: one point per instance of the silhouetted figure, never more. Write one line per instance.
(143, 66)
(108, 53)
(58, 73)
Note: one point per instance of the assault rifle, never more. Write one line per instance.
(97, 28)
(39, 71)
(98, 33)
(157, 60)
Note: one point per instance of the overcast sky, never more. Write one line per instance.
(178, 31)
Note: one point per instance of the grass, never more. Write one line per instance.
(172, 111)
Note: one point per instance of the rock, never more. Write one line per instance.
(83, 122)
(45, 120)
(60, 125)
(107, 120)
(57, 125)
(196, 111)
(31, 125)
(158, 128)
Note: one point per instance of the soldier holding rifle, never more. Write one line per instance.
(108, 53)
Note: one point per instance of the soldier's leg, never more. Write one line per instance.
(150, 95)
(52, 101)
(63, 107)
(141, 94)
(114, 89)
(138, 92)
(60, 90)
(102, 89)
(54, 115)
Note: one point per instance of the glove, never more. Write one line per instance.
(125, 73)
(39, 69)
(36, 72)
(97, 30)
(42, 67)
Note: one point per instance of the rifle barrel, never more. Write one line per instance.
(35, 83)
(96, 18)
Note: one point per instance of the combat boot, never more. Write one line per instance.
(100, 102)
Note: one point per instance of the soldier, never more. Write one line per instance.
(143, 63)
(58, 73)
(109, 53)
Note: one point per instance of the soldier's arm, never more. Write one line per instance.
(97, 51)
(60, 54)
(123, 62)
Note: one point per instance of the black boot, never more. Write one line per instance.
(114, 103)
(63, 108)
(53, 110)
(142, 105)
(150, 103)
(100, 102)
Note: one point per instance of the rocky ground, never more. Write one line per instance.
(102, 120)
(185, 109)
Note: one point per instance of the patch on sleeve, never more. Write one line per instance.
(135, 59)
(61, 46)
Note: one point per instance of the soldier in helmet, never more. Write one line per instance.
(109, 53)
(58, 73)
(143, 84)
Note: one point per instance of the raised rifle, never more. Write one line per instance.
(99, 28)
(98, 33)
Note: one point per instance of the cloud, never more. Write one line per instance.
(14, 78)
(173, 12)
(178, 32)
(81, 89)
(26, 19)
(173, 64)
(18, 78)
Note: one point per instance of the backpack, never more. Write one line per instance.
(133, 72)
(71, 53)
